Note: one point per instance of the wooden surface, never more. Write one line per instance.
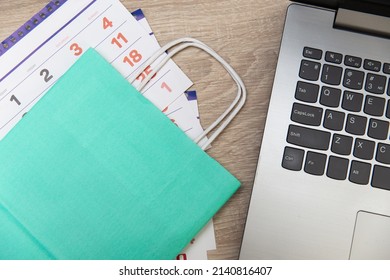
(247, 34)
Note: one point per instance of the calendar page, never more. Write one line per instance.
(35, 63)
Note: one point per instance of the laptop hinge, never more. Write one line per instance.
(362, 22)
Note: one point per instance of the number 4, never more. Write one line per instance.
(106, 23)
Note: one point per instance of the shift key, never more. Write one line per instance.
(308, 138)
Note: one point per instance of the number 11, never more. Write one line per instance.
(116, 40)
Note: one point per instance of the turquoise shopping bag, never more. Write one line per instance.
(95, 171)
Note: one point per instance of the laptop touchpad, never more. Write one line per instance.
(371, 239)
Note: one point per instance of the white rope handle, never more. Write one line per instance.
(181, 44)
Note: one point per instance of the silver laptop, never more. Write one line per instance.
(322, 187)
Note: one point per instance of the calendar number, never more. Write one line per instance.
(106, 23)
(76, 49)
(144, 74)
(165, 86)
(46, 75)
(13, 98)
(116, 41)
(174, 121)
(133, 58)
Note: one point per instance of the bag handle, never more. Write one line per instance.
(177, 46)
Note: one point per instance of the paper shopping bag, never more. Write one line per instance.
(95, 171)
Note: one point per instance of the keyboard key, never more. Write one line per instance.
(352, 101)
(383, 153)
(331, 75)
(309, 138)
(333, 57)
(315, 163)
(364, 149)
(386, 68)
(388, 110)
(388, 88)
(381, 177)
(372, 65)
(353, 61)
(309, 70)
(312, 53)
(378, 129)
(341, 144)
(360, 173)
(337, 168)
(375, 83)
(334, 120)
(356, 124)
(353, 79)
(330, 97)
(292, 159)
(374, 106)
(307, 92)
(306, 114)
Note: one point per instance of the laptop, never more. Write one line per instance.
(322, 186)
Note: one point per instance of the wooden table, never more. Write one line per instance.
(247, 34)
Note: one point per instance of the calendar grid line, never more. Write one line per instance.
(162, 76)
(8, 93)
(126, 50)
(128, 76)
(185, 131)
(174, 111)
(136, 69)
(32, 101)
(110, 34)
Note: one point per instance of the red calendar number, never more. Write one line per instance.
(77, 50)
(133, 58)
(174, 121)
(106, 23)
(146, 73)
(117, 40)
(181, 257)
(164, 85)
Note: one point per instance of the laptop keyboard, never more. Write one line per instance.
(341, 114)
